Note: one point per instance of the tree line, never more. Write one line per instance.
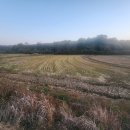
(98, 45)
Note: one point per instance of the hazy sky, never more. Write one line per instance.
(54, 20)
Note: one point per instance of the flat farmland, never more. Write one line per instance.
(102, 69)
(88, 90)
(119, 60)
(67, 64)
(57, 64)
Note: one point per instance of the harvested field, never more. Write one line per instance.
(64, 92)
(119, 60)
(66, 64)
(48, 64)
(93, 74)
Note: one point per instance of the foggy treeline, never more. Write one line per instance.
(98, 45)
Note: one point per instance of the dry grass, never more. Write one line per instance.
(62, 93)
(47, 64)
(74, 65)
(62, 109)
(109, 90)
(122, 60)
(105, 119)
(22, 108)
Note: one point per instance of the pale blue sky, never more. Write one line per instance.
(54, 20)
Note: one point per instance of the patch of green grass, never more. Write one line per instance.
(41, 89)
(125, 122)
(61, 96)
